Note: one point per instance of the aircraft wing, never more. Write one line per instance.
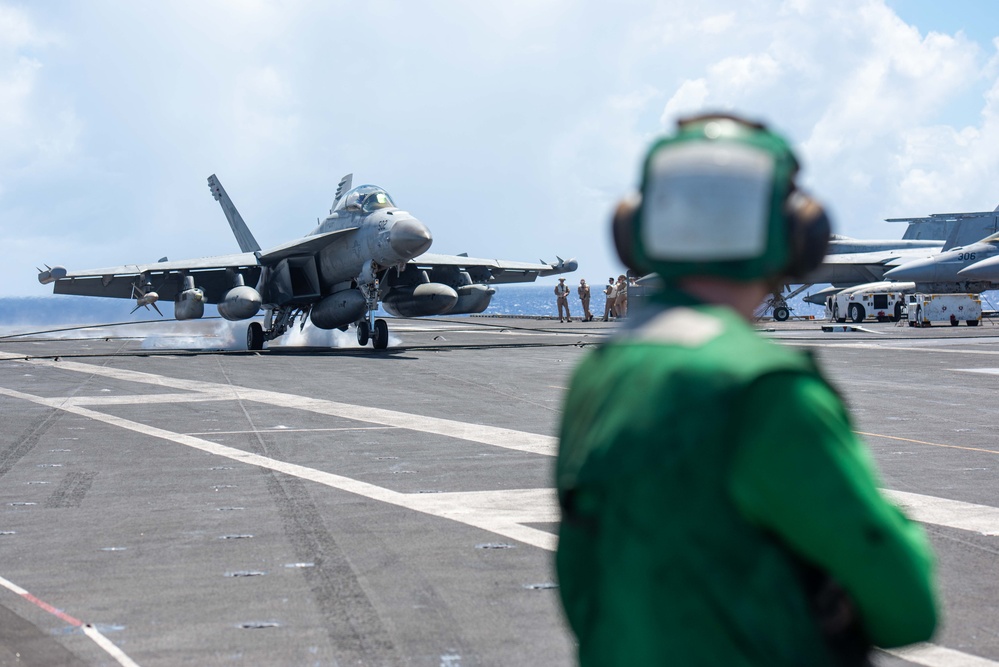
(212, 274)
(492, 271)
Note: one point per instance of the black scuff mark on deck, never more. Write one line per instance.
(71, 490)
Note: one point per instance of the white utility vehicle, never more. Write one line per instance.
(858, 306)
(924, 309)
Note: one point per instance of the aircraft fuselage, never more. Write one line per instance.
(975, 262)
(388, 237)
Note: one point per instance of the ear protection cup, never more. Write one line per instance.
(808, 231)
(623, 229)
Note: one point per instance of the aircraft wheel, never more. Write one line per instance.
(363, 332)
(254, 336)
(856, 312)
(972, 323)
(379, 336)
(782, 313)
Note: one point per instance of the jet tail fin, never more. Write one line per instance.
(242, 233)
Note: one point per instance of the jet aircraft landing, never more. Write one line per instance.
(366, 251)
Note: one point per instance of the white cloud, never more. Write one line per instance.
(691, 97)
(265, 111)
(718, 24)
(30, 128)
(760, 70)
(510, 128)
(863, 93)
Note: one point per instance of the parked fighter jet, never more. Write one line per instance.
(968, 268)
(854, 262)
(366, 251)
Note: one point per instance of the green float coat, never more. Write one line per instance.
(695, 457)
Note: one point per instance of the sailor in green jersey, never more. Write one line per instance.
(717, 508)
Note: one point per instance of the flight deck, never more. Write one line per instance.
(185, 502)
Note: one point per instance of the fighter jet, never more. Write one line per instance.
(365, 252)
(968, 268)
(854, 262)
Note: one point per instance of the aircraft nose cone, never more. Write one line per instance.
(921, 269)
(409, 238)
(986, 269)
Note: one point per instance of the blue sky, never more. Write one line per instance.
(509, 128)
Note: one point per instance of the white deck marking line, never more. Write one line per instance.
(487, 514)
(948, 513)
(108, 647)
(932, 655)
(489, 435)
(88, 629)
(144, 399)
(888, 346)
(263, 431)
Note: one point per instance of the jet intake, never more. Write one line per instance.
(339, 309)
(240, 303)
(420, 300)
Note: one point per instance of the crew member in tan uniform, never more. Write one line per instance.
(611, 293)
(584, 295)
(562, 298)
(621, 302)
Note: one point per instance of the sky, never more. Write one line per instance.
(510, 128)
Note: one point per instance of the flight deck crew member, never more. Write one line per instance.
(621, 299)
(717, 507)
(562, 298)
(584, 296)
(610, 294)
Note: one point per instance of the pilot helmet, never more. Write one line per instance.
(718, 198)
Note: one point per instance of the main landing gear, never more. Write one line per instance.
(378, 335)
(254, 336)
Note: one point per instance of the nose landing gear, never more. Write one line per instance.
(378, 335)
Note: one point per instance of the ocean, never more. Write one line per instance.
(30, 314)
(56, 310)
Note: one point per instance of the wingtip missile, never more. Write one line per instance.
(560, 266)
(567, 265)
(51, 274)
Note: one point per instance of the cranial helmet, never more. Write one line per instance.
(718, 198)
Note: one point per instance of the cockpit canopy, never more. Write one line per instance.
(365, 198)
